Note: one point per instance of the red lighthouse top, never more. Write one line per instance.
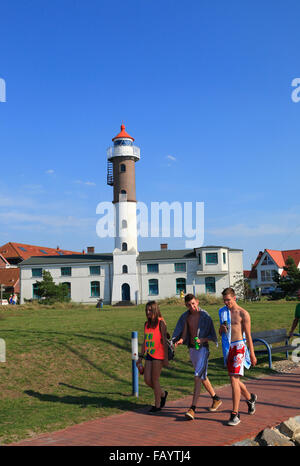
(123, 134)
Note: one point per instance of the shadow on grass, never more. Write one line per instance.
(86, 401)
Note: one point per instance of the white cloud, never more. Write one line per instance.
(50, 172)
(19, 218)
(171, 157)
(87, 183)
(243, 230)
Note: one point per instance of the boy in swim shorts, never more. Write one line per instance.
(240, 325)
(195, 328)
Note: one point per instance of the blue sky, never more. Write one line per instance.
(203, 87)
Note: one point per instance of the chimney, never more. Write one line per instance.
(164, 246)
(90, 249)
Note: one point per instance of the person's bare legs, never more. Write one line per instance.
(238, 387)
(208, 387)
(151, 376)
(197, 388)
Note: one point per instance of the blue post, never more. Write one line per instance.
(135, 372)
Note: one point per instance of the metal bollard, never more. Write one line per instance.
(135, 372)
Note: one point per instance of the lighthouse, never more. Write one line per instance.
(121, 159)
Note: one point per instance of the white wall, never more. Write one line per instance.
(80, 281)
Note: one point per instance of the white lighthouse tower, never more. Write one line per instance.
(121, 175)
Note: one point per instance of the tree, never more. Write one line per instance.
(290, 283)
(51, 292)
(242, 287)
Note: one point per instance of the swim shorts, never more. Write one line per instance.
(199, 360)
(236, 358)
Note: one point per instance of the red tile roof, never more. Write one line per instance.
(3, 261)
(25, 251)
(280, 257)
(10, 277)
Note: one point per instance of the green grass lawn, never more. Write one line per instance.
(65, 365)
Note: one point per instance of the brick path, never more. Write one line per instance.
(278, 399)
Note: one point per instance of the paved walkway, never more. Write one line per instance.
(278, 399)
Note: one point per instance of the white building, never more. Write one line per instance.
(127, 274)
(267, 263)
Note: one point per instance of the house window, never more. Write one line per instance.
(68, 284)
(211, 257)
(95, 289)
(152, 268)
(125, 269)
(267, 275)
(210, 285)
(122, 167)
(124, 246)
(95, 270)
(37, 272)
(224, 257)
(35, 287)
(65, 271)
(180, 285)
(153, 286)
(180, 267)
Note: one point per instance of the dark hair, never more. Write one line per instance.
(155, 312)
(189, 297)
(227, 291)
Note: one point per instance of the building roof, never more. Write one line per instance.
(24, 251)
(68, 258)
(167, 254)
(3, 261)
(123, 134)
(162, 254)
(280, 257)
(9, 277)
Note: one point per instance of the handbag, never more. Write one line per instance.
(171, 348)
(170, 344)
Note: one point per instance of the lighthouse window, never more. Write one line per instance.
(124, 246)
(122, 142)
(125, 269)
(124, 224)
(122, 168)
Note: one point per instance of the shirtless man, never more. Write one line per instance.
(240, 324)
(199, 355)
